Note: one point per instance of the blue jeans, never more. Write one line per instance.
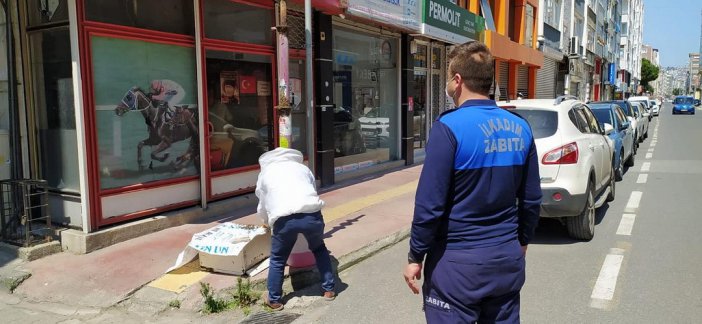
(285, 231)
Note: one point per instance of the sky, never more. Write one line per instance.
(673, 27)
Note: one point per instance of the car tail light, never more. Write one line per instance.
(566, 154)
(557, 196)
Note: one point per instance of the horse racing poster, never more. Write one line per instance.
(145, 98)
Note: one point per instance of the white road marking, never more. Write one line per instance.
(642, 178)
(626, 225)
(651, 149)
(645, 166)
(649, 155)
(607, 280)
(653, 144)
(634, 200)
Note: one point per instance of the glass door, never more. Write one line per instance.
(421, 88)
(438, 81)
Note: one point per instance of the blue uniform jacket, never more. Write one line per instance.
(480, 183)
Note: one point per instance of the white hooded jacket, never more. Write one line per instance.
(285, 186)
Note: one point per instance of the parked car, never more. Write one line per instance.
(611, 115)
(645, 102)
(655, 107)
(575, 160)
(641, 120)
(628, 109)
(683, 104)
(697, 102)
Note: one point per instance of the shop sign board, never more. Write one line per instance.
(448, 22)
(403, 14)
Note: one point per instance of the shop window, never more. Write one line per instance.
(231, 21)
(55, 115)
(172, 16)
(145, 97)
(366, 99)
(240, 106)
(41, 12)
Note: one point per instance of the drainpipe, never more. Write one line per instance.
(15, 139)
(283, 107)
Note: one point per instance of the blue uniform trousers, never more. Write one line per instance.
(474, 285)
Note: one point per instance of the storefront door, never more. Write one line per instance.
(421, 95)
(366, 86)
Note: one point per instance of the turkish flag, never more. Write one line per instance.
(247, 84)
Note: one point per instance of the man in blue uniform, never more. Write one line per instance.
(477, 203)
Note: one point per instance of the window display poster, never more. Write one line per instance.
(263, 88)
(229, 84)
(146, 111)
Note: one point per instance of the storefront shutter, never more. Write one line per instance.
(504, 79)
(523, 80)
(546, 79)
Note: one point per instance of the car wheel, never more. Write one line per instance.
(612, 185)
(632, 157)
(582, 227)
(619, 170)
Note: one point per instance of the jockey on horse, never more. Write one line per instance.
(165, 94)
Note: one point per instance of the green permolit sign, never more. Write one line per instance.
(449, 22)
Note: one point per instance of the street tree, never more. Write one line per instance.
(677, 91)
(649, 72)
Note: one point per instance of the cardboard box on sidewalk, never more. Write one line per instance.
(252, 253)
(228, 248)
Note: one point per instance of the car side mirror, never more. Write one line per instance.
(608, 129)
(624, 126)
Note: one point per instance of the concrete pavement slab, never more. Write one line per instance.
(370, 212)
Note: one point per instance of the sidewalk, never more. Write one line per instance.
(360, 219)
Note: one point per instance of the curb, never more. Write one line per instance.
(303, 278)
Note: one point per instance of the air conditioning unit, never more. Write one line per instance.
(573, 46)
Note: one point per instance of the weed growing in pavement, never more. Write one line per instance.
(212, 304)
(242, 297)
(174, 303)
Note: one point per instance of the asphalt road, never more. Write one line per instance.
(651, 272)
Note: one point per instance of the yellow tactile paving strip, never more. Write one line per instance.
(356, 205)
(180, 279)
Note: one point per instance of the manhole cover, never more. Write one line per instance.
(270, 318)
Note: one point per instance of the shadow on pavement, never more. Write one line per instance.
(307, 282)
(343, 225)
(552, 231)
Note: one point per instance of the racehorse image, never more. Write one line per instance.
(164, 126)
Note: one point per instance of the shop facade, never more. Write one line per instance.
(444, 24)
(129, 113)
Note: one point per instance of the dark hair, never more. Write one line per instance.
(475, 64)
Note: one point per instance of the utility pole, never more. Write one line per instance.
(284, 108)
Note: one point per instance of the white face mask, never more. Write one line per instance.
(448, 96)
